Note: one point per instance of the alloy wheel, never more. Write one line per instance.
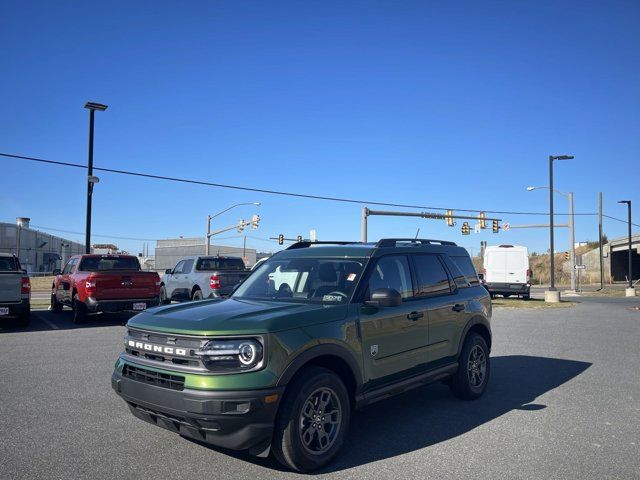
(477, 366)
(320, 420)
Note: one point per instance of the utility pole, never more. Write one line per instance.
(572, 239)
(600, 240)
(365, 215)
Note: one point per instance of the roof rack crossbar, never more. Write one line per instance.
(392, 242)
(308, 243)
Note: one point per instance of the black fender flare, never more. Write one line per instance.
(320, 350)
(475, 320)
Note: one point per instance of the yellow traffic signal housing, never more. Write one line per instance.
(496, 226)
(466, 230)
(567, 255)
(449, 217)
(483, 222)
(280, 239)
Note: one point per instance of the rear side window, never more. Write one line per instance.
(212, 264)
(431, 275)
(188, 265)
(391, 272)
(8, 264)
(99, 264)
(468, 270)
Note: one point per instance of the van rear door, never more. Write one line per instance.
(517, 265)
(496, 267)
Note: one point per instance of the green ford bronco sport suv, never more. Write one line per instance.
(315, 332)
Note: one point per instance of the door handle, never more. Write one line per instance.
(458, 307)
(415, 316)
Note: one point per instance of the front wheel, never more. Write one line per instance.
(472, 377)
(312, 420)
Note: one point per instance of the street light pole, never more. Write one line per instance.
(209, 217)
(552, 296)
(630, 289)
(92, 107)
(572, 239)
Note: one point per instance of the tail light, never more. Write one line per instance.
(90, 286)
(214, 282)
(25, 288)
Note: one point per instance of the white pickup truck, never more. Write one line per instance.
(199, 277)
(15, 290)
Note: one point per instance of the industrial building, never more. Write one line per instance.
(38, 251)
(169, 251)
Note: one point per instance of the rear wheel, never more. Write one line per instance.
(56, 306)
(24, 318)
(312, 420)
(163, 296)
(79, 312)
(197, 295)
(472, 377)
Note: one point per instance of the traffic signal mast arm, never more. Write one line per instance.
(428, 215)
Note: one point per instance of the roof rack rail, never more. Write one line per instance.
(308, 243)
(392, 242)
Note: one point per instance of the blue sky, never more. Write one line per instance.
(450, 104)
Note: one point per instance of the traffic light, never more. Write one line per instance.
(299, 238)
(496, 226)
(567, 255)
(241, 225)
(280, 239)
(483, 222)
(255, 221)
(449, 217)
(466, 230)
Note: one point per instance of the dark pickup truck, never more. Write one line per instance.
(15, 290)
(103, 283)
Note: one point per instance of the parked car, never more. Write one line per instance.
(103, 283)
(15, 290)
(315, 331)
(506, 271)
(198, 277)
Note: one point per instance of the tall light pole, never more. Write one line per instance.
(92, 107)
(209, 217)
(630, 290)
(552, 295)
(572, 238)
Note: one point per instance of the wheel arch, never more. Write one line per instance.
(332, 357)
(479, 325)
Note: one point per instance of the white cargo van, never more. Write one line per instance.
(506, 270)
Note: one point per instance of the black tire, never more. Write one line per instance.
(196, 295)
(79, 312)
(465, 383)
(526, 296)
(506, 295)
(163, 296)
(56, 306)
(288, 445)
(25, 318)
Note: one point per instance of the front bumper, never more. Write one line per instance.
(16, 309)
(237, 420)
(94, 305)
(508, 288)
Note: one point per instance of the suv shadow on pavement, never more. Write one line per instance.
(64, 321)
(427, 415)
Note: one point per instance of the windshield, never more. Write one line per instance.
(307, 280)
(8, 264)
(99, 264)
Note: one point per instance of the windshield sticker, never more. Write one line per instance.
(351, 277)
(332, 298)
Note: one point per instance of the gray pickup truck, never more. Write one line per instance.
(15, 290)
(200, 277)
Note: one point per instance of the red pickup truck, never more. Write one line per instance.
(103, 283)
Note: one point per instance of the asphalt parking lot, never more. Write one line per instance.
(563, 402)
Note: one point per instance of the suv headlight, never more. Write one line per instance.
(232, 355)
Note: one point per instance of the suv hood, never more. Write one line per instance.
(233, 316)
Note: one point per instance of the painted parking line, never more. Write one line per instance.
(48, 322)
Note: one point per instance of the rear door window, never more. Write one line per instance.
(213, 264)
(466, 267)
(188, 265)
(431, 276)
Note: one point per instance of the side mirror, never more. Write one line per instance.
(168, 271)
(57, 271)
(386, 297)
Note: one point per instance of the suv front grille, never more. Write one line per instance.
(173, 382)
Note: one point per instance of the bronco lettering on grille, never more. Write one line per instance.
(157, 348)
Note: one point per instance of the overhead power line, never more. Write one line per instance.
(272, 192)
